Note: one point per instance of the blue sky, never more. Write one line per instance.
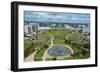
(57, 17)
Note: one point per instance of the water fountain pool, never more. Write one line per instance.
(57, 51)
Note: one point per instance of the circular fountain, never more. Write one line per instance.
(57, 51)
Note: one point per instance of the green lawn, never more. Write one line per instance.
(28, 48)
(59, 34)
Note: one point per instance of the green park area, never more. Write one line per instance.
(40, 42)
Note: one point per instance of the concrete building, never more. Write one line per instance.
(31, 28)
(28, 29)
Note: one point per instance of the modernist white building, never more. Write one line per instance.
(31, 28)
(28, 29)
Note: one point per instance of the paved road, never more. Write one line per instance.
(30, 57)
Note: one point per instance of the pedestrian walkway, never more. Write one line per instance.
(30, 57)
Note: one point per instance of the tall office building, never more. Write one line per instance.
(27, 29)
(31, 28)
(35, 27)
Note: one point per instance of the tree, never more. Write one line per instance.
(46, 46)
(87, 45)
(74, 37)
(54, 58)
